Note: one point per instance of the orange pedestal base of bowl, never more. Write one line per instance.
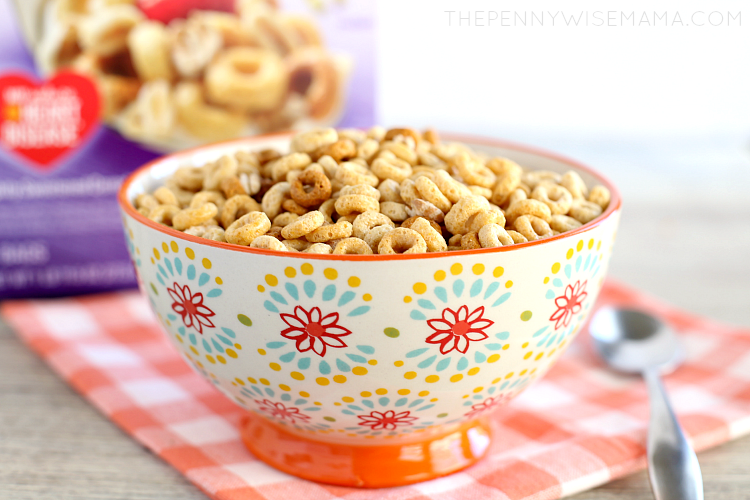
(378, 465)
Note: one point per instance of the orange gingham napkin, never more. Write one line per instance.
(579, 427)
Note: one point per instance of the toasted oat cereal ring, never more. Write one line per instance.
(517, 237)
(285, 164)
(360, 203)
(532, 227)
(248, 227)
(232, 186)
(506, 184)
(450, 187)
(430, 135)
(268, 243)
(429, 159)
(574, 184)
(397, 212)
(393, 168)
(297, 244)
(394, 133)
(472, 171)
(368, 220)
(376, 132)
(189, 217)
(376, 234)
(470, 241)
(401, 150)
(215, 233)
(342, 229)
(360, 189)
(292, 206)
(164, 214)
(229, 26)
(341, 150)
(275, 231)
(267, 155)
(224, 167)
(600, 195)
(503, 166)
(248, 162)
(148, 44)
(584, 211)
(390, 191)
(202, 120)
(462, 210)
(237, 206)
(352, 246)
(353, 134)
(430, 192)
(303, 32)
(320, 248)
(320, 192)
(194, 46)
(328, 208)
(516, 195)
(368, 149)
(152, 114)
(250, 79)
(144, 211)
(351, 173)
(408, 191)
(433, 238)
(274, 197)
(422, 208)
(284, 219)
(556, 197)
(481, 191)
(349, 217)
(313, 75)
(189, 178)
(145, 200)
(527, 207)
(455, 241)
(116, 92)
(105, 31)
(494, 235)
(408, 222)
(203, 197)
(308, 142)
(304, 225)
(402, 241)
(481, 219)
(183, 195)
(534, 177)
(562, 223)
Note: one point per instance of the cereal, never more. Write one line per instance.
(248, 227)
(402, 241)
(368, 220)
(585, 211)
(343, 205)
(556, 197)
(532, 227)
(328, 232)
(194, 46)
(600, 195)
(494, 235)
(189, 217)
(201, 119)
(397, 212)
(320, 248)
(360, 203)
(304, 225)
(432, 237)
(237, 206)
(352, 246)
(215, 233)
(148, 43)
(268, 243)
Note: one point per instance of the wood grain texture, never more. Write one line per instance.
(684, 237)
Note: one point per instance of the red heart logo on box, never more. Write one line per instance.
(166, 10)
(43, 121)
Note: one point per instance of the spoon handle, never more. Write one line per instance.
(672, 465)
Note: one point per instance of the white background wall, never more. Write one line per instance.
(565, 80)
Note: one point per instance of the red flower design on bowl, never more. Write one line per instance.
(190, 307)
(457, 328)
(569, 304)
(312, 332)
(388, 420)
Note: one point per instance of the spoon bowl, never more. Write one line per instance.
(632, 342)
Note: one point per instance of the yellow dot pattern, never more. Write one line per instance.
(297, 376)
(219, 281)
(359, 370)
(206, 263)
(306, 268)
(190, 254)
(290, 272)
(499, 271)
(456, 269)
(354, 282)
(410, 375)
(322, 381)
(508, 284)
(419, 288)
(165, 247)
(175, 247)
(331, 273)
(272, 280)
(339, 379)
(439, 276)
(457, 377)
(407, 299)
(477, 269)
(493, 358)
(431, 379)
(157, 254)
(367, 297)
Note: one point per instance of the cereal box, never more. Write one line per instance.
(92, 89)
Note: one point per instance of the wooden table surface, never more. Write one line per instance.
(684, 237)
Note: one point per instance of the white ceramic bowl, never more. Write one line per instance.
(355, 354)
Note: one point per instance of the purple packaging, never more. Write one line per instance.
(81, 107)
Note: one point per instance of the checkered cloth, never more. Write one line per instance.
(577, 428)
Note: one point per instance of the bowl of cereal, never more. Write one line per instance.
(370, 297)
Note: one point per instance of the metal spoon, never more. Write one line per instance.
(633, 342)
